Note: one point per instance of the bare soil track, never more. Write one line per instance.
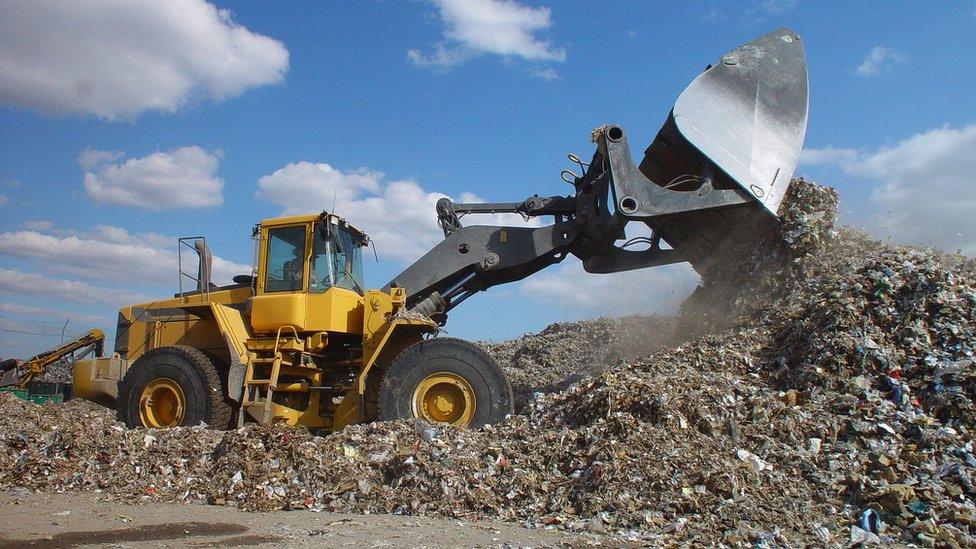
(85, 520)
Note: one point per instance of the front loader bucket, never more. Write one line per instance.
(748, 114)
(743, 121)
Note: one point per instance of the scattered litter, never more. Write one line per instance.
(810, 380)
(870, 521)
(860, 536)
(754, 461)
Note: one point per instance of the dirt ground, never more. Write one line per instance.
(86, 520)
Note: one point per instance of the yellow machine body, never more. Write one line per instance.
(290, 346)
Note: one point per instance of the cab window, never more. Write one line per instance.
(336, 261)
(286, 254)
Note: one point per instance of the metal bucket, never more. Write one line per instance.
(742, 121)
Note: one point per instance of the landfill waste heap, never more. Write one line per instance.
(821, 392)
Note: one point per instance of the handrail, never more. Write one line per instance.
(278, 336)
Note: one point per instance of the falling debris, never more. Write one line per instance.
(837, 382)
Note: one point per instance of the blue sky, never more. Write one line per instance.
(123, 126)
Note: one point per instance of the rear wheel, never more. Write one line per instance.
(445, 380)
(173, 386)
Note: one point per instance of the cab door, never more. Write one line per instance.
(280, 298)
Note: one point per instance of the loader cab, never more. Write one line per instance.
(309, 275)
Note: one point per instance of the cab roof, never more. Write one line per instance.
(333, 218)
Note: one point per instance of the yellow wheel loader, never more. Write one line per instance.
(302, 341)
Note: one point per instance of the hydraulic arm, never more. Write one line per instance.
(710, 175)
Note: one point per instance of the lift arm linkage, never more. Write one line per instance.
(474, 258)
(716, 171)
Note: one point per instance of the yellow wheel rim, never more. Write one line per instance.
(444, 397)
(162, 403)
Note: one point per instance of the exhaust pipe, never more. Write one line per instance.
(205, 265)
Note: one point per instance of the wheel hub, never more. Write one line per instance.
(162, 403)
(444, 397)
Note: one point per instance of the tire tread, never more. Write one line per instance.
(221, 410)
(411, 356)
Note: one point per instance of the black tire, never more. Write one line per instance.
(492, 390)
(192, 370)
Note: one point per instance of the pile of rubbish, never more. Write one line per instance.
(833, 406)
(744, 276)
(59, 372)
(567, 352)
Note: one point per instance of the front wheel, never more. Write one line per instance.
(173, 386)
(445, 380)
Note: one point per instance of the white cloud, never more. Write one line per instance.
(118, 235)
(401, 220)
(644, 291)
(880, 58)
(109, 253)
(118, 58)
(181, 178)
(89, 159)
(3, 199)
(20, 283)
(441, 58)
(399, 216)
(40, 225)
(104, 233)
(924, 184)
(499, 27)
(306, 186)
(545, 74)
(42, 312)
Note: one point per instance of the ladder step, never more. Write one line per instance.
(271, 359)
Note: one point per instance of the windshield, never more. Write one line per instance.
(337, 260)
